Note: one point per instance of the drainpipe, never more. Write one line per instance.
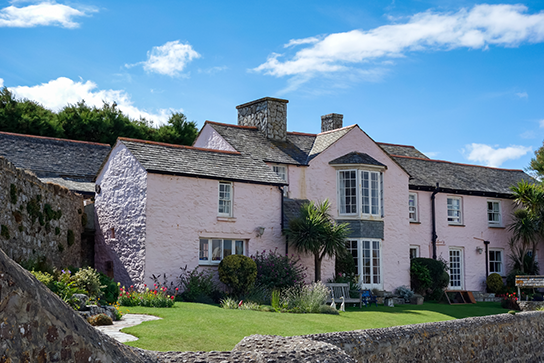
(433, 218)
(486, 243)
(281, 221)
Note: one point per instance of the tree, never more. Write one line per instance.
(528, 224)
(537, 163)
(315, 231)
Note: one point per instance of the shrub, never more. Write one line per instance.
(229, 303)
(404, 292)
(275, 300)
(345, 265)
(494, 283)
(38, 264)
(156, 298)
(420, 277)
(44, 277)
(99, 319)
(197, 286)
(88, 279)
(438, 274)
(276, 271)
(238, 272)
(305, 299)
(510, 301)
(511, 277)
(109, 289)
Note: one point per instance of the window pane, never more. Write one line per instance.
(217, 250)
(225, 198)
(239, 247)
(353, 251)
(365, 192)
(227, 248)
(203, 255)
(374, 185)
(348, 191)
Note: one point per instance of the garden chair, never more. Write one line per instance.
(367, 298)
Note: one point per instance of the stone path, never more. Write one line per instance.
(126, 321)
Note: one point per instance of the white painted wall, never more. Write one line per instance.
(121, 205)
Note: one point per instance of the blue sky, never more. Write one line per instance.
(461, 81)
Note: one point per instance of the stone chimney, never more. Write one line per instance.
(332, 121)
(268, 114)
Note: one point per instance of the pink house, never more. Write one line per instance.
(160, 206)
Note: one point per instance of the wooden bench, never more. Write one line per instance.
(339, 290)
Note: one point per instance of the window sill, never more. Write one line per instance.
(415, 222)
(492, 226)
(206, 263)
(456, 225)
(360, 218)
(226, 219)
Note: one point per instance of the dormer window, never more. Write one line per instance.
(360, 185)
(281, 171)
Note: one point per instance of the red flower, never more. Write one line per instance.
(172, 297)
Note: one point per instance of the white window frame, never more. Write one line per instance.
(412, 207)
(374, 199)
(455, 220)
(493, 262)
(458, 283)
(491, 212)
(283, 172)
(375, 267)
(416, 249)
(225, 201)
(211, 251)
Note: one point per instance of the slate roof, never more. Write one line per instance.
(356, 158)
(180, 160)
(425, 173)
(403, 150)
(326, 139)
(70, 163)
(291, 209)
(249, 141)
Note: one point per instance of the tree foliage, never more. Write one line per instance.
(527, 226)
(81, 121)
(315, 231)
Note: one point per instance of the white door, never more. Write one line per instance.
(456, 269)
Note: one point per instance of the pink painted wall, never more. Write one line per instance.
(318, 182)
(180, 210)
(121, 205)
(210, 139)
(474, 225)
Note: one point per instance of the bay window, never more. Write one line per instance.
(360, 193)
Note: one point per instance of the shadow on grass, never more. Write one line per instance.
(454, 311)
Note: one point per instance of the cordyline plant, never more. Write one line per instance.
(315, 231)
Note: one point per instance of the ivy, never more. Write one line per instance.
(84, 219)
(33, 209)
(70, 238)
(60, 247)
(57, 231)
(47, 227)
(4, 232)
(13, 194)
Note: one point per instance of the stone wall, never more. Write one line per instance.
(37, 326)
(332, 121)
(268, 114)
(39, 220)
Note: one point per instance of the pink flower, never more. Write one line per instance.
(131, 286)
(177, 289)
(171, 297)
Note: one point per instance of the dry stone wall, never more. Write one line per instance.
(37, 326)
(39, 220)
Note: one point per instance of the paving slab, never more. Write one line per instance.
(126, 321)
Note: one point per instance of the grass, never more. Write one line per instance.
(199, 327)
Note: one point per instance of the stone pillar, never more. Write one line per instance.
(332, 121)
(268, 114)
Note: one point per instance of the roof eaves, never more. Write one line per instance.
(179, 146)
(452, 163)
(53, 138)
(200, 176)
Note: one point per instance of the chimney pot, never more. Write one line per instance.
(268, 114)
(332, 121)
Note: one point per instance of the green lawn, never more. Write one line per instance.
(199, 327)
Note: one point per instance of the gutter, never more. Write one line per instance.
(433, 218)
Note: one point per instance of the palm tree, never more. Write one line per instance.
(528, 223)
(315, 231)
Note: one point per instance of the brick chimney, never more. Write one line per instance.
(332, 121)
(268, 114)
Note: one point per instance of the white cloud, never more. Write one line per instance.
(431, 154)
(522, 95)
(294, 42)
(490, 156)
(477, 28)
(45, 13)
(169, 59)
(62, 91)
(541, 123)
(528, 135)
(1, 83)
